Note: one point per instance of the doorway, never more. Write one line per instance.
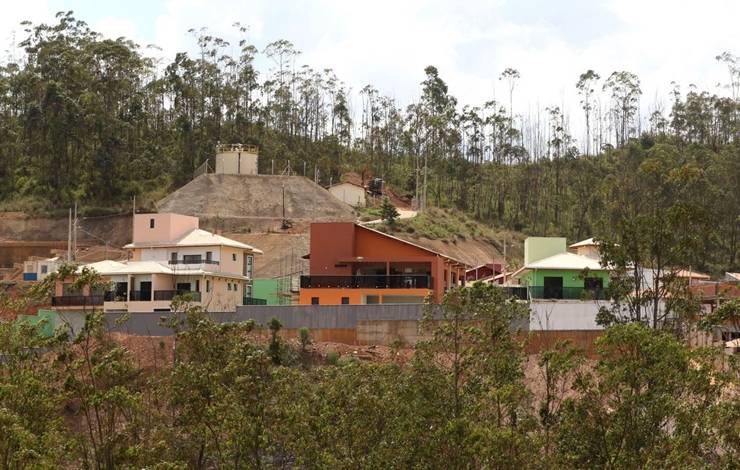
(553, 288)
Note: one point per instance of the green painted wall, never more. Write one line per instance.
(266, 289)
(537, 248)
(571, 278)
(49, 325)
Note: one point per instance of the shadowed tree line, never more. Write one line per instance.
(222, 399)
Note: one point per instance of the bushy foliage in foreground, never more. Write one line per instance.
(462, 401)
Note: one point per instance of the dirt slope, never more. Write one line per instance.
(255, 202)
(283, 252)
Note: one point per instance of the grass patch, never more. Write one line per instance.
(441, 224)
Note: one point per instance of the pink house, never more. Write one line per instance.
(169, 256)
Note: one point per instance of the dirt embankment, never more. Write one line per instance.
(254, 203)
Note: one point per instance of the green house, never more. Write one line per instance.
(552, 272)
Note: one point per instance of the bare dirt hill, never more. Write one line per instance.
(246, 203)
(283, 252)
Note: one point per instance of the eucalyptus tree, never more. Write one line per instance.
(624, 88)
(586, 87)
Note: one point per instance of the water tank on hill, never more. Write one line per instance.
(236, 159)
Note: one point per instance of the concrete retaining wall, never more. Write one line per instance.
(564, 314)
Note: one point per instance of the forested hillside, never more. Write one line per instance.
(97, 120)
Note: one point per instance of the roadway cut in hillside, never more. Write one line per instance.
(239, 203)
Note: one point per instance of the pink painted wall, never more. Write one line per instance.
(167, 227)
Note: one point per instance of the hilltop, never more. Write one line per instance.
(247, 203)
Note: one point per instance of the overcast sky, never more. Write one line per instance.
(388, 43)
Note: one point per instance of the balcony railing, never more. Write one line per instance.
(192, 261)
(253, 301)
(140, 296)
(566, 293)
(396, 281)
(171, 294)
(77, 300)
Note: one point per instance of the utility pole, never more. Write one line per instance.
(74, 236)
(304, 167)
(69, 237)
(424, 206)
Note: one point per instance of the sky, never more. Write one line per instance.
(389, 42)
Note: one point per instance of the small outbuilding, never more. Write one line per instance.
(350, 193)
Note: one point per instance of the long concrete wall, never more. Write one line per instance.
(328, 316)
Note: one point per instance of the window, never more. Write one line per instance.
(44, 269)
(173, 257)
(593, 283)
(247, 290)
(228, 286)
(314, 300)
(197, 285)
(345, 300)
(209, 256)
(192, 259)
(151, 223)
(249, 265)
(233, 257)
(208, 285)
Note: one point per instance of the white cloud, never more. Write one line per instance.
(113, 28)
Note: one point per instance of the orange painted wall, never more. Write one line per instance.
(328, 296)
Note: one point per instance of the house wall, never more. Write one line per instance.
(537, 248)
(330, 242)
(592, 251)
(167, 227)
(236, 163)
(349, 193)
(268, 289)
(329, 296)
(221, 299)
(571, 278)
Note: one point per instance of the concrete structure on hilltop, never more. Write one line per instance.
(237, 159)
(353, 264)
(169, 256)
(349, 193)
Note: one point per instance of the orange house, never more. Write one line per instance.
(356, 265)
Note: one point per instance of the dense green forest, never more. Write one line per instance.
(216, 396)
(98, 121)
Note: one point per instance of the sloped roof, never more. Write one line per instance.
(104, 266)
(691, 274)
(586, 242)
(113, 268)
(198, 237)
(732, 276)
(413, 244)
(569, 261)
(110, 268)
